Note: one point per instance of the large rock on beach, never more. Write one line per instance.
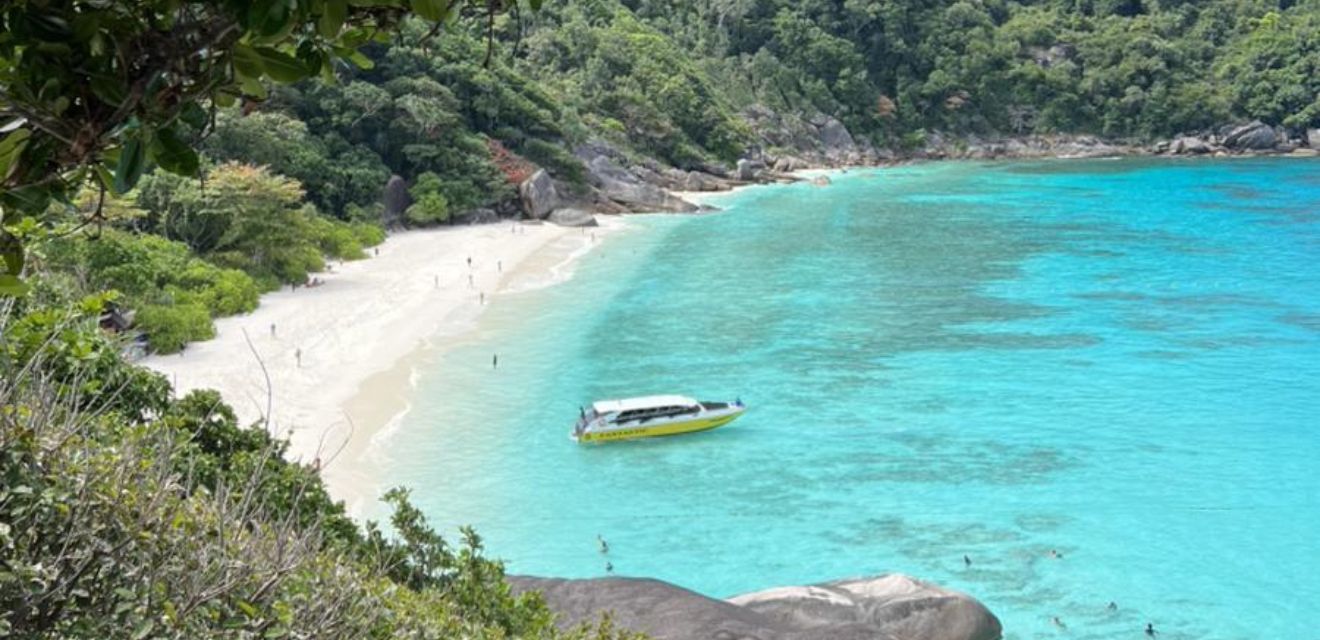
(889, 607)
(1255, 135)
(538, 195)
(1189, 145)
(1313, 138)
(624, 187)
(748, 168)
(834, 136)
(572, 218)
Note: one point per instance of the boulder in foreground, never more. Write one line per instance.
(889, 607)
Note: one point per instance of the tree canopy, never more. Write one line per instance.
(100, 90)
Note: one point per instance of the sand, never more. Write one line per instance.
(320, 346)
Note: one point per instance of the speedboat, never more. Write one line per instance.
(650, 416)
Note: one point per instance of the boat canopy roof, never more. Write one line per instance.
(644, 402)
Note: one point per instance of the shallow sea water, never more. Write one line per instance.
(1116, 360)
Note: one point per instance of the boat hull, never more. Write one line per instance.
(700, 423)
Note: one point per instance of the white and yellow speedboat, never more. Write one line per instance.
(651, 416)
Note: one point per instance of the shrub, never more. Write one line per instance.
(170, 328)
(557, 159)
(429, 205)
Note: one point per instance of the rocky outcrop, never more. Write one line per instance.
(572, 218)
(538, 195)
(748, 168)
(890, 607)
(1313, 138)
(622, 186)
(974, 147)
(1189, 145)
(396, 201)
(788, 164)
(1254, 136)
(834, 137)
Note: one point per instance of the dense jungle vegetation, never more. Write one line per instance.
(177, 158)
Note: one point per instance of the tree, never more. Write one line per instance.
(97, 90)
(429, 205)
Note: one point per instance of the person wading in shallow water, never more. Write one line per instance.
(1150, 629)
(967, 561)
(495, 361)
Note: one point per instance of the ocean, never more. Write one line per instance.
(1098, 380)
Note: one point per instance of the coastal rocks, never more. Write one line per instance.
(698, 181)
(789, 164)
(1313, 138)
(396, 201)
(571, 218)
(889, 607)
(1255, 135)
(1189, 145)
(623, 186)
(821, 181)
(748, 168)
(834, 136)
(973, 147)
(538, 195)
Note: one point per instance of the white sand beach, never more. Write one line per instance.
(320, 345)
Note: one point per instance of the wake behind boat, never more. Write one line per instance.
(650, 416)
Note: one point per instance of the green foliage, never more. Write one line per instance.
(100, 90)
(1119, 68)
(558, 161)
(429, 205)
(248, 218)
(606, 62)
(334, 173)
(132, 515)
(169, 328)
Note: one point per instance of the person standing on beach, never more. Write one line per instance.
(272, 329)
(499, 266)
(297, 356)
(437, 281)
(469, 262)
(482, 299)
(470, 281)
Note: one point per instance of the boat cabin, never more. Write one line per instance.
(643, 409)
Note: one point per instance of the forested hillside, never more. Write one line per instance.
(699, 84)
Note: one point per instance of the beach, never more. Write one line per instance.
(327, 366)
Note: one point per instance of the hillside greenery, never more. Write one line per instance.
(126, 513)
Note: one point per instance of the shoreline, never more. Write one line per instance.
(339, 357)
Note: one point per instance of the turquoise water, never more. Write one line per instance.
(1117, 360)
